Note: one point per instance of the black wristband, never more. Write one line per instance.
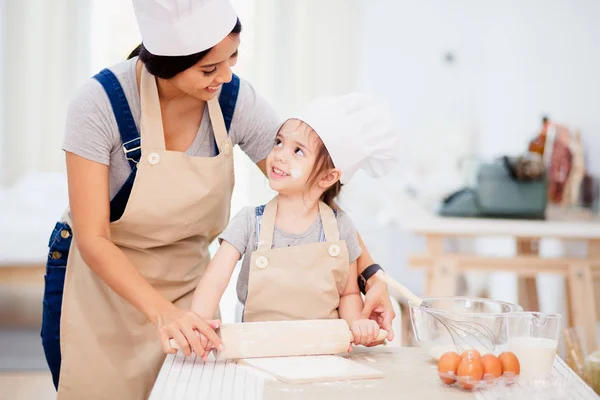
(366, 274)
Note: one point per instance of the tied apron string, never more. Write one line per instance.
(218, 124)
(267, 226)
(330, 226)
(152, 132)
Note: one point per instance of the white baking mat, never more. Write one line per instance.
(565, 384)
(313, 369)
(189, 378)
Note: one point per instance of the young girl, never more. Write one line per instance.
(300, 249)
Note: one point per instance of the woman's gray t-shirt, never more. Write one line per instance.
(241, 234)
(92, 132)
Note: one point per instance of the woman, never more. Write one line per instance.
(150, 172)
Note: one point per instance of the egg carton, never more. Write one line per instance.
(541, 389)
(470, 384)
(508, 386)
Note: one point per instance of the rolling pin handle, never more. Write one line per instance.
(401, 289)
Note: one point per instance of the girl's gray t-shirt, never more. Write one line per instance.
(92, 132)
(241, 234)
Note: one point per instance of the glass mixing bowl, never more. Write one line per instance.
(443, 324)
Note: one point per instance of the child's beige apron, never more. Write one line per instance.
(299, 282)
(178, 205)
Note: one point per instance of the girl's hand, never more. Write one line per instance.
(365, 331)
(204, 341)
(184, 327)
(378, 306)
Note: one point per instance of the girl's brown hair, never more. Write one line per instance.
(324, 163)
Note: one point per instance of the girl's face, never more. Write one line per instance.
(203, 80)
(292, 158)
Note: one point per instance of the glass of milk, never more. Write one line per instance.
(533, 338)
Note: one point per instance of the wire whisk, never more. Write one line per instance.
(466, 335)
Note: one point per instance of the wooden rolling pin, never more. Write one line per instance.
(285, 338)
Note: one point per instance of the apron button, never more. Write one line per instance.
(153, 158)
(56, 255)
(334, 250)
(261, 262)
(64, 234)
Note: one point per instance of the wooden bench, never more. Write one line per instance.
(21, 293)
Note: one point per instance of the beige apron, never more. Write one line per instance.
(299, 282)
(178, 205)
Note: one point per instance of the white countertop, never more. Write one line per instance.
(409, 373)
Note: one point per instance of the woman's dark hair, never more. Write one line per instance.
(166, 67)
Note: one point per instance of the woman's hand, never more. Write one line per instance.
(365, 331)
(188, 330)
(378, 307)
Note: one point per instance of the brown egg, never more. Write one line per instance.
(510, 363)
(469, 372)
(470, 354)
(447, 366)
(492, 367)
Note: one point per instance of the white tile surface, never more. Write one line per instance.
(189, 378)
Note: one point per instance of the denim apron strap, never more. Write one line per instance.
(130, 137)
(227, 100)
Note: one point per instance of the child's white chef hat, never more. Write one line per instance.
(357, 131)
(183, 27)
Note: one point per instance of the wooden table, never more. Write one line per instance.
(21, 292)
(442, 268)
(409, 374)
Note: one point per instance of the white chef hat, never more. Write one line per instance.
(183, 27)
(357, 131)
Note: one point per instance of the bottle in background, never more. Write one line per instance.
(538, 144)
